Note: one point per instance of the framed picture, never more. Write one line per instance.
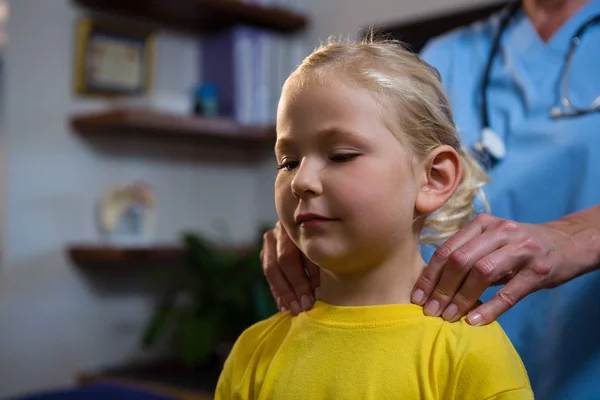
(113, 60)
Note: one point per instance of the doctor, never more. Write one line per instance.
(541, 99)
(525, 90)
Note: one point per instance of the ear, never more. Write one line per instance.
(443, 171)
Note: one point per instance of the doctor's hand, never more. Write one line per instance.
(525, 257)
(293, 279)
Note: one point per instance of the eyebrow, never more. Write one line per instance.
(324, 134)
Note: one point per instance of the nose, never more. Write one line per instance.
(307, 181)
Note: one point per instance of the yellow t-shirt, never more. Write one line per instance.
(372, 352)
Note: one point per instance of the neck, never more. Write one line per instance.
(389, 282)
(547, 16)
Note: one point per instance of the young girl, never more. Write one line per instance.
(369, 165)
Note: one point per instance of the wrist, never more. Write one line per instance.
(581, 240)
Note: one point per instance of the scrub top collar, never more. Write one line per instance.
(522, 38)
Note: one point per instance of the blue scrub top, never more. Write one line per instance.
(552, 168)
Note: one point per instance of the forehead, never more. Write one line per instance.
(327, 135)
(308, 104)
(319, 110)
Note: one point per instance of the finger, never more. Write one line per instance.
(431, 274)
(504, 280)
(484, 273)
(458, 267)
(523, 284)
(291, 265)
(280, 287)
(280, 306)
(314, 274)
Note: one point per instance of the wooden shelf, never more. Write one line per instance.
(149, 123)
(201, 16)
(117, 256)
(106, 256)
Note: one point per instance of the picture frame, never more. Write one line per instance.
(113, 60)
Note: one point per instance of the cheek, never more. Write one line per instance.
(380, 197)
(285, 203)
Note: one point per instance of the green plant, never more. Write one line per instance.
(217, 293)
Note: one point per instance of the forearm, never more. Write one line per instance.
(581, 246)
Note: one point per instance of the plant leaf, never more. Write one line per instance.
(263, 302)
(197, 337)
(157, 323)
(200, 254)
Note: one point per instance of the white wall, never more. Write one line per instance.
(54, 320)
(347, 17)
(4, 11)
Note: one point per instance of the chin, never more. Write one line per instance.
(316, 253)
(329, 256)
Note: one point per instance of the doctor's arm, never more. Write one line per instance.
(526, 257)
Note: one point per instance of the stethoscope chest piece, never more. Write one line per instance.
(489, 150)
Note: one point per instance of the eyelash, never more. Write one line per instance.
(343, 157)
(340, 157)
(286, 165)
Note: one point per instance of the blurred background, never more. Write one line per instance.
(136, 175)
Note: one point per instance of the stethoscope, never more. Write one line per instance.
(490, 149)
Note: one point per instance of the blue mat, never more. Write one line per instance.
(98, 391)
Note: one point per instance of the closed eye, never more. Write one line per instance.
(288, 165)
(343, 157)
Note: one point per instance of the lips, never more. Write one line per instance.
(310, 218)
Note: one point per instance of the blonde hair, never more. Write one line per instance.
(402, 81)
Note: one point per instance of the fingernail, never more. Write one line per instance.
(318, 293)
(450, 312)
(283, 310)
(474, 319)
(296, 307)
(306, 303)
(432, 307)
(418, 297)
